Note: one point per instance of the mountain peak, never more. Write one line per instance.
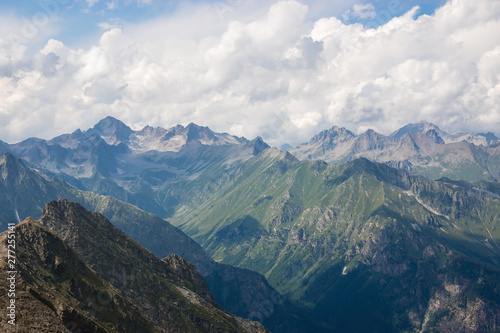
(109, 122)
(334, 134)
(3, 147)
(173, 282)
(258, 145)
(434, 136)
(112, 130)
(195, 132)
(420, 127)
(489, 137)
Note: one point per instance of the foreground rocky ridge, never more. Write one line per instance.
(154, 295)
(57, 292)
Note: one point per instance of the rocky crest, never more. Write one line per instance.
(170, 292)
(57, 292)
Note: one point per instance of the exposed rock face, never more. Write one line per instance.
(57, 292)
(78, 272)
(170, 292)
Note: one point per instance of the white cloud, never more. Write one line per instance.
(272, 73)
(111, 24)
(360, 11)
(91, 3)
(364, 11)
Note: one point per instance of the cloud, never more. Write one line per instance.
(360, 11)
(91, 3)
(364, 11)
(263, 71)
(111, 24)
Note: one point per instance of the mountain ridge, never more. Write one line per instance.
(338, 237)
(250, 289)
(421, 148)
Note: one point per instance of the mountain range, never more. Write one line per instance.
(242, 292)
(360, 240)
(421, 148)
(346, 232)
(150, 168)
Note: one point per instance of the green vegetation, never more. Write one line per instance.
(336, 238)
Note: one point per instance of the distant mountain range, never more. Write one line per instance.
(158, 169)
(150, 168)
(358, 232)
(420, 148)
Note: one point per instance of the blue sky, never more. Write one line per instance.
(284, 70)
(81, 22)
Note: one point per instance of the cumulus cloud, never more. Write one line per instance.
(275, 73)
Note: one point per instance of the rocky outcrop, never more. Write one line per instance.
(169, 295)
(57, 292)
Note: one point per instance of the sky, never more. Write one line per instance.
(282, 70)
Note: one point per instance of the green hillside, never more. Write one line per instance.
(354, 239)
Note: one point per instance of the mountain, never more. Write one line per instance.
(150, 168)
(56, 291)
(139, 291)
(3, 147)
(364, 246)
(361, 245)
(240, 291)
(423, 127)
(421, 148)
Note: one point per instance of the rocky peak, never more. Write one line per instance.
(195, 132)
(421, 127)
(332, 135)
(152, 131)
(52, 279)
(258, 145)
(184, 271)
(434, 136)
(112, 130)
(489, 137)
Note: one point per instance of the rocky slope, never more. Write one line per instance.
(57, 292)
(420, 148)
(167, 295)
(360, 242)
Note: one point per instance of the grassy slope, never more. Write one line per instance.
(308, 225)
